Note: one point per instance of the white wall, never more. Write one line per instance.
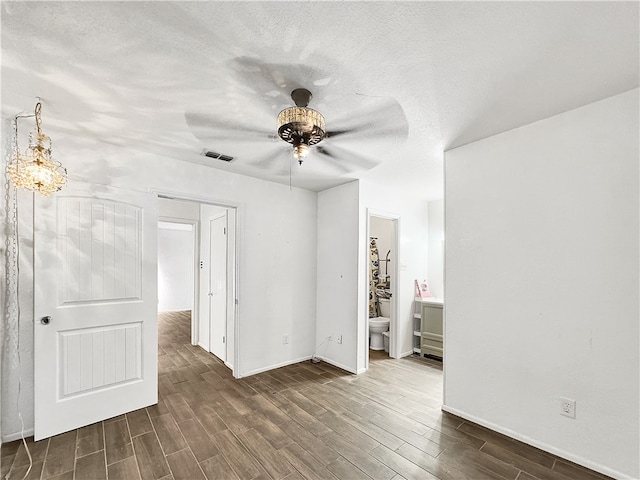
(277, 266)
(542, 283)
(435, 257)
(412, 259)
(175, 267)
(17, 353)
(337, 280)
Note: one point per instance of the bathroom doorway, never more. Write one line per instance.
(382, 275)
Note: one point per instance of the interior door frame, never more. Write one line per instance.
(235, 264)
(196, 256)
(394, 341)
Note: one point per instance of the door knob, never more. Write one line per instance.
(45, 320)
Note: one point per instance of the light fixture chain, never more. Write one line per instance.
(16, 150)
(10, 330)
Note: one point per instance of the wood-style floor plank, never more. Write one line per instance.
(201, 444)
(404, 467)
(60, 455)
(184, 466)
(151, 459)
(217, 468)
(92, 466)
(273, 461)
(127, 469)
(243, 463)
(117, 441)
(169, 434)
(299, 422)
(306, 463)
(139, 422)
(365, 462)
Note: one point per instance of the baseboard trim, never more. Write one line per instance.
(541, 445)
(273, 367)
(340, 366)
(17, 435)
(406, 354)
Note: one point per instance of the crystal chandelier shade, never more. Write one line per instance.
(34, 169)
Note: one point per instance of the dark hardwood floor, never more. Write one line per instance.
(301, 421)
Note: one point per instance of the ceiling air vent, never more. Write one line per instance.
(217, 156)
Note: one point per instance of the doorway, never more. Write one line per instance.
(213, 274)
(382, 275)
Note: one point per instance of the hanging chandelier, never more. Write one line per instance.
(34, 169)
(301, 126)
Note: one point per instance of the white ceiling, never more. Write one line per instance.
(174, 78)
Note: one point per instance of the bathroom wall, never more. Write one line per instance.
(383, 229)
(542, 283)
(276, 248)
(435, 257)
(338, 274)
(175, 266)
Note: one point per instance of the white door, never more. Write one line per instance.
(218, 286)
(95, 282)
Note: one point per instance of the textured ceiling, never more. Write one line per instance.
(413, 79)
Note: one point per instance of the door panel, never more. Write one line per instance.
(218, 286)
(95, 276)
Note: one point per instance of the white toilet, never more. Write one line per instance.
(385, 307)
(377, 325)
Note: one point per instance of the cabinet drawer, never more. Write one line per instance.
(431, 345)
(432, 318)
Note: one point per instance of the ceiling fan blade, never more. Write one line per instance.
(381, 117)
(206, 127)
(274, 82)
(330, 158)
(349, 160)
(270, 159)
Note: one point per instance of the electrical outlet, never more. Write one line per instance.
(285, 339)
(340, 339)
(568, 407)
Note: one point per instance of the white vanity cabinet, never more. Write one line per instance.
(431, 328)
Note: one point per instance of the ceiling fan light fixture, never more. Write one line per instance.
(300, 152)
(301, 127)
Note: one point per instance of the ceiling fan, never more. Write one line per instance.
(301, 126)
(353, 139)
